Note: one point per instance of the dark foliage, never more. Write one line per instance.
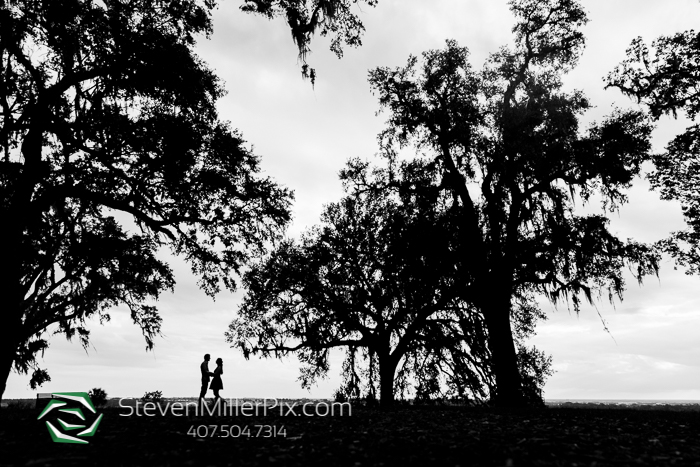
(152, 396)
(666, 79)
(98, 396)
(333, 18)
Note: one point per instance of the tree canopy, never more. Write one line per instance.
(111, 150)
(509, 149)
(666, 79)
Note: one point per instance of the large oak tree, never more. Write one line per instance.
(111, 150)
(511, 153)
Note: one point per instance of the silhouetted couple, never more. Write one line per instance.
(216, 383)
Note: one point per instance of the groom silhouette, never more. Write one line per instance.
(204, 367)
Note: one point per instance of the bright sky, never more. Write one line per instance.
(305, 135)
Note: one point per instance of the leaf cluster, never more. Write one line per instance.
(665, 78)
(333, 18)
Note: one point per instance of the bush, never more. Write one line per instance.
(340, 396)
(155, 396)
(535, 367)
(98, 396)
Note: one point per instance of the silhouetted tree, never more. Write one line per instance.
(112, 149)
(381, 278)
(369, 277)
(667, 80)
(508, 147)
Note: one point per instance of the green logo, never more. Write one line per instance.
(67, 408)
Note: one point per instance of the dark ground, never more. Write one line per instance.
(409, 435)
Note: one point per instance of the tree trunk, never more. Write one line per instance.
(387, 368)
(8, 350)
(5, 369)
(11, 290)
(505, 363)
(17, 214)
(10, 309)
(12, 295)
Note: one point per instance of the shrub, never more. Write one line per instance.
(340, 396)
(154, 396)
(98, 396)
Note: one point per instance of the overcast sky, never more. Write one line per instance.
(306, 134)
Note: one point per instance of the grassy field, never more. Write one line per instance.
(582, 435)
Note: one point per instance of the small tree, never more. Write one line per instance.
(152, 396)
(98, 396)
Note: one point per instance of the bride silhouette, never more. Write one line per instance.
(216, 383)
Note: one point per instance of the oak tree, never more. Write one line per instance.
(112, 149)
(510, 152)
